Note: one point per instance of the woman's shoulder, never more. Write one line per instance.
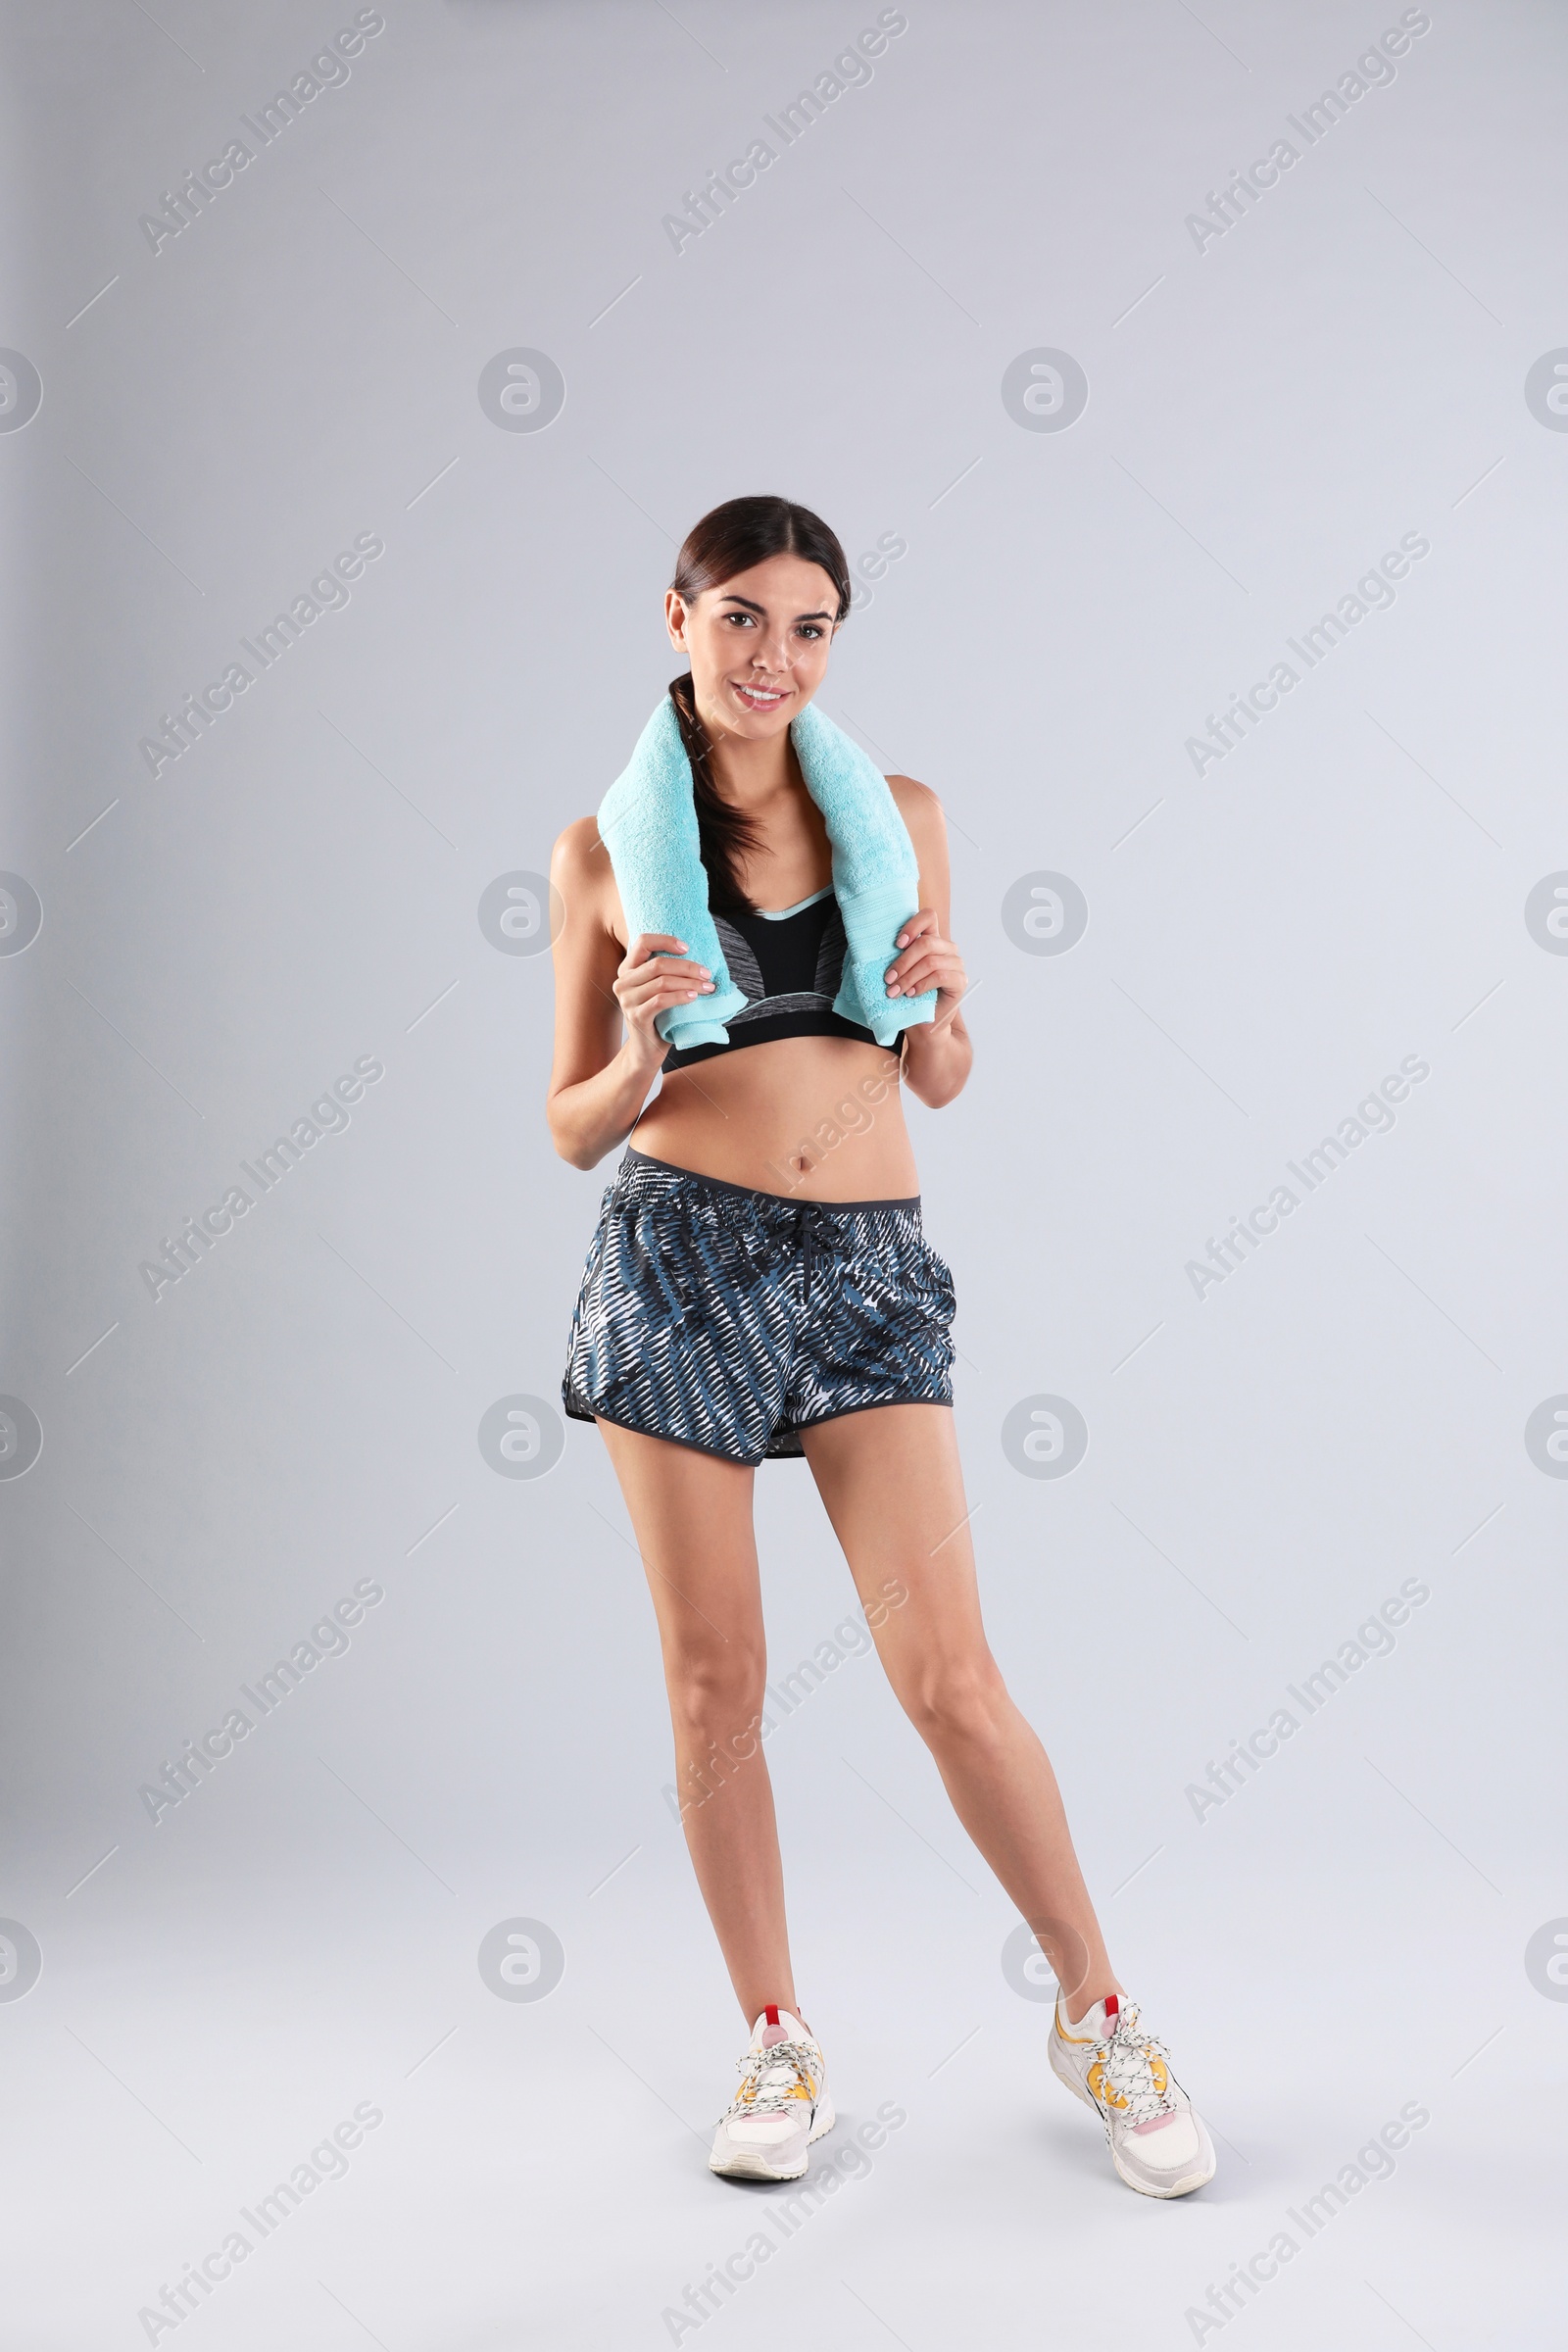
(581, 873)
(919, 806)
(579, 854)
(905, 791)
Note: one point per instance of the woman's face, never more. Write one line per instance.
(758, 645)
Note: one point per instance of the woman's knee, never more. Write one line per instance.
(957, 1701)
(716, 1687)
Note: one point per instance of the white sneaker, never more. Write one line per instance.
(781, 2106)
(1156, 2138)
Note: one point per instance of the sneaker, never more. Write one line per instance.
(1156, 2138)
(781, 2106)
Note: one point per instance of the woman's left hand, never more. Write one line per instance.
(927, 960)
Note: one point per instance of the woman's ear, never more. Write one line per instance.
(676, 618)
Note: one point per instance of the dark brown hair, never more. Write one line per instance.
(730, 539)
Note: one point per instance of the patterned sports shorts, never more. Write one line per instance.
(730, 1320)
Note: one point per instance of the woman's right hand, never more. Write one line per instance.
(655, 973)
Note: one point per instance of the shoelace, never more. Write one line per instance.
(792, 2062)
(1125, 2056)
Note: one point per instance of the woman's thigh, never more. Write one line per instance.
(692, 1514)
(891, 1483)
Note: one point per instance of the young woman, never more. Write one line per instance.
(759, 1287)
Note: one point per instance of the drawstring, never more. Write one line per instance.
(822, 1247)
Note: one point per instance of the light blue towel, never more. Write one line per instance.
(648, 822)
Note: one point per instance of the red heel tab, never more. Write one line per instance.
(1113, 2008)
(771, 2013)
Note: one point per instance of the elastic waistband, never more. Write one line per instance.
(635, 1160)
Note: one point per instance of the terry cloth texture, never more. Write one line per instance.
(730, 1319)
(648, 822)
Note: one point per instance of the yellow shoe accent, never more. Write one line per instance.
(1099, 2089)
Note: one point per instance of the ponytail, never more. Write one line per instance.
(726, 837)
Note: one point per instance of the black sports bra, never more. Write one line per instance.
(787, 963)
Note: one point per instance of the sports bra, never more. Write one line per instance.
(787, 963)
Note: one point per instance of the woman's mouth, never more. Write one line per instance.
(761, 698)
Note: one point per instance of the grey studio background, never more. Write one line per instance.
(1107, 434)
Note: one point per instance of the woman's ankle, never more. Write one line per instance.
(783, 2001)
(1084, 1999)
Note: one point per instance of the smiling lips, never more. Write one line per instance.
(759, 698)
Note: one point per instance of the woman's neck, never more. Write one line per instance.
(750, 774)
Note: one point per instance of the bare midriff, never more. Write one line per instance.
(818, 1118)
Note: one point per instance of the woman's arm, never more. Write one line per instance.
(599, 1078)
(937, 1054)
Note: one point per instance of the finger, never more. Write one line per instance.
(928, 971)
(685, 968)
(920, 931)
(654, 999)
(649, 943)
(921, 953)
(948, 973)
(658, 966)
(643, 986)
